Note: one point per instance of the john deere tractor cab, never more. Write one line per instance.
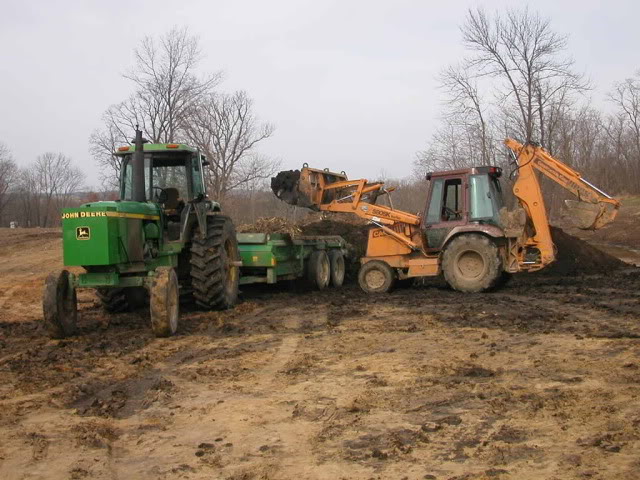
(163, 240)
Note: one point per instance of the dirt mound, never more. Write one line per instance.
(270, 225)
(576, 256)
(355, 234)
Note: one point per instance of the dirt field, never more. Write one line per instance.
(538, 380)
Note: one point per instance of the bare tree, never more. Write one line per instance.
(626, 97)
(56, 179)
(524, 53)
(167, 89)
(8, 174)
(225, 129)
(464, 105)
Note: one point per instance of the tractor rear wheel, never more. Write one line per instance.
(336, 260)
(164, 302)
(319, 269)
(114, 300)
(214, 259)
(471, 263)
(377, 276)
(59, 305)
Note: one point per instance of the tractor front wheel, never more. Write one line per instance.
(377, 276)
(164, 302)
(471, 263)
(60, 305)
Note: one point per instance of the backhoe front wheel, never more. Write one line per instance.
(471, 263)
(377, 276)
(60, 305)
(164, 302)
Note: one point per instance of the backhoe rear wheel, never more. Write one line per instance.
(471, 263)
(377, 276)
(59, 305)
(164, 302)
(214, 271)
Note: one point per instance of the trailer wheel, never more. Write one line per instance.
(59, 305)
(318, 269)
(471, 263)
(336, 260)
(214, 271)
(377, 276)
(164, 302)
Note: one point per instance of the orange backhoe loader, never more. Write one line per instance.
(465, 232)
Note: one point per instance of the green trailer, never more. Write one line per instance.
(274, 257)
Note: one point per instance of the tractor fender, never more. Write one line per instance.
(488, 230)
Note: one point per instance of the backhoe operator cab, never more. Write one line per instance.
(458, 198)
(465, 232)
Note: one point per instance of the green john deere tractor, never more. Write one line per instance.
(163, 241)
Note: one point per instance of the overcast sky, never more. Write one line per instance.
(349, 85)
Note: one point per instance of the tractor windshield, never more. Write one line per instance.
(485, 198)
(170, 173)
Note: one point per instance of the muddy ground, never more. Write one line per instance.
(538, 380)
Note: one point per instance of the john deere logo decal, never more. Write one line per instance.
(83, 233)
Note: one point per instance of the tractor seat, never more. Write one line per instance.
(173, 199)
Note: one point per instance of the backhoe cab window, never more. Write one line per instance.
(446, 201)
(486, 198)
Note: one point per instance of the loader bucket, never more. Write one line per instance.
(286, 186)
(307, 187)
(590, 216)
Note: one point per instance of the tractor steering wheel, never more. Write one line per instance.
(162, 196)
(450, 213)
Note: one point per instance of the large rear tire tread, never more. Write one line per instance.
(485, 274)
(114, 300)
(214, 278)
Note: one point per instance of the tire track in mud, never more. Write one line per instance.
(611, 326)
(271, 438)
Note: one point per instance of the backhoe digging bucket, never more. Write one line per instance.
(306, 187)
(589, 216)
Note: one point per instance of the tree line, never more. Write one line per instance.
(516, 79)
(33, 195)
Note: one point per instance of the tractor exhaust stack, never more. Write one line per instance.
(137, 169)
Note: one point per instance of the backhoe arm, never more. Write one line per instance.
(332, 192)
(593, 210)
